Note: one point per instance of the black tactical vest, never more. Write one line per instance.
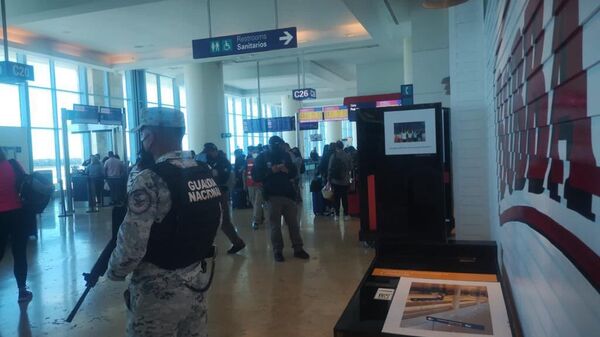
(186, 234)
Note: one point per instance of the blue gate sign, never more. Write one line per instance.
(111, 116)
(13, 72)
(255, 42)
(302, 94)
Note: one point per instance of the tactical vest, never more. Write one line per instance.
(186, 234)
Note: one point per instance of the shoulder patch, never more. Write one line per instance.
(138, 201)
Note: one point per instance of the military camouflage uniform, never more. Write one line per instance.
(161, 302)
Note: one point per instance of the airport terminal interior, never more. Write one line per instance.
(447, 156)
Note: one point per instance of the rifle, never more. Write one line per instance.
(101, 265)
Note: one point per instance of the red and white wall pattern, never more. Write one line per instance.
(544, 72)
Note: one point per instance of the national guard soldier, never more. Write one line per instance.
(166, 238)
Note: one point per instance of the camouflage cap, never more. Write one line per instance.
(161, 117)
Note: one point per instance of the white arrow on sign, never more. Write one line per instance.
(287, 38)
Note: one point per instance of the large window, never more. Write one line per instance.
(241, 108)
(40, 107)
(10, 112)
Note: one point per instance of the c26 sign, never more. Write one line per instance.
(302, 94)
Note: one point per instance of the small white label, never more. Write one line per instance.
(384, 294)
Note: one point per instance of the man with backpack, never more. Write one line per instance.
(338, 175)
(276, 171)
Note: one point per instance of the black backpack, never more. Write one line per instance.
(34, 189)
(337, 167)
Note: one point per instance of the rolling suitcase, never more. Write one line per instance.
(353, 204)
(239, 199)
(318, 203)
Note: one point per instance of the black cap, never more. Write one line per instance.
(210, 147)
(275, 140)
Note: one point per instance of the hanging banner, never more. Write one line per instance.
(335, 113)
(307, 115)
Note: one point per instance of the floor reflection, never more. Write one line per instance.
(24, 326)
(251, 294)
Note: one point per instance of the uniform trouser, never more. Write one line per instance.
(256, 198)
(12, 224)
(161, 309)
(227, 226)
(279, 206)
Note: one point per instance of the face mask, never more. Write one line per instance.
(145, 159)
(255, 155)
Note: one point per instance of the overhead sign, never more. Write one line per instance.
(276, 124)
(335, 113)
(111, 116)
(245, 43)
(308, 115)
(308, 126)
(13, 72)
(302, 94)
(407, 92)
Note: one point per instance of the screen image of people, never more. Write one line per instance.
(410, 132)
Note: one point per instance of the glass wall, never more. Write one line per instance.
(241, 108)
(37, 105)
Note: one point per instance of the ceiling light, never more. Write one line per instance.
(439, 4)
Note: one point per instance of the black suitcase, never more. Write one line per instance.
(239, 199)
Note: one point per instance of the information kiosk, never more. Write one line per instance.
(420, 283)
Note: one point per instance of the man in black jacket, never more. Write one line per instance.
(275, 170)
(222, 172)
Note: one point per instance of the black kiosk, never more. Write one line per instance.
(403, 191)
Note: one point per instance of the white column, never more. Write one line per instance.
(333, 131)
(430, 55)
(206, 118)
(289, 107)
(408, 60)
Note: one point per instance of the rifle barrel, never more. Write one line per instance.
(76, 308)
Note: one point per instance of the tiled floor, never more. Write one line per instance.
(251, 295)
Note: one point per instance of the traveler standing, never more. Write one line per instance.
(173, 214)
(95, 172)
(14, 221)
(275, 170)
(254, 190)
(340, 165)
(223, 175)
(113, 171)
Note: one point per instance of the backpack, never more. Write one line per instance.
(337, 167)
(34, 189)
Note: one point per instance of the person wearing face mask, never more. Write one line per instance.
(166, 238)
(276, 171)
(254, 189)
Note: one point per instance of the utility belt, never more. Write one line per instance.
(212, 255)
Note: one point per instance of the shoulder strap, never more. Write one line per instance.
(19, 172)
